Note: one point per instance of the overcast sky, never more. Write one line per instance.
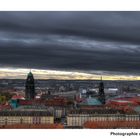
(91, 42)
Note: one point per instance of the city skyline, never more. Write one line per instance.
(60, 75)
(70, 45)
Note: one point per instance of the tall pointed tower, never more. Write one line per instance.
(101, 92)
(30, 87)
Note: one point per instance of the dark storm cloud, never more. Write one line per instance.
(121, 26)
(86, 41)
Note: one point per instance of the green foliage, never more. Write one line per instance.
(2, 99)
(5, 96)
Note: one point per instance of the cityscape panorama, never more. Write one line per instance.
(69, 70)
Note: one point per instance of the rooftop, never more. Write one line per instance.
(30, 74)
(25, 113)
(91, 101)
(33, 126)
(97, 111)
(112, 124)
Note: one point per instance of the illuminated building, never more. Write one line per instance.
(79, 117)
(26, 117)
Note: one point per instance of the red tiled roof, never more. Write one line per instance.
(18, 97)
(111, 124)
(33, 126)
(3, 107)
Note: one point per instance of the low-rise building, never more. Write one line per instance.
(26, 117)
(79, 117)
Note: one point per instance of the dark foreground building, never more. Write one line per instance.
(101, 92)
(30, 87)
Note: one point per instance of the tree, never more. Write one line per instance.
(2, 99)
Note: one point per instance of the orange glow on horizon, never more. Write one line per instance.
(11, 73)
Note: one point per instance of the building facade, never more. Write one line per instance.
(25, 117)
(79, 117)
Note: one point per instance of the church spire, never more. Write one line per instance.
(30, 86)
(101, 91)
(101, 78)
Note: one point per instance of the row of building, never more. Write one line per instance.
(75, 118)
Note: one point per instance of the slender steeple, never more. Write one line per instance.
(101, 92)
(30, 87)
(101, 78)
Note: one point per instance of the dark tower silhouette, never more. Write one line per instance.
(101, 92)
(30, 87)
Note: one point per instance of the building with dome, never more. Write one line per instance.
(91, 102)
(30, 87)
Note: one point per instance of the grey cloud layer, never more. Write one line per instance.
(86, 41)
